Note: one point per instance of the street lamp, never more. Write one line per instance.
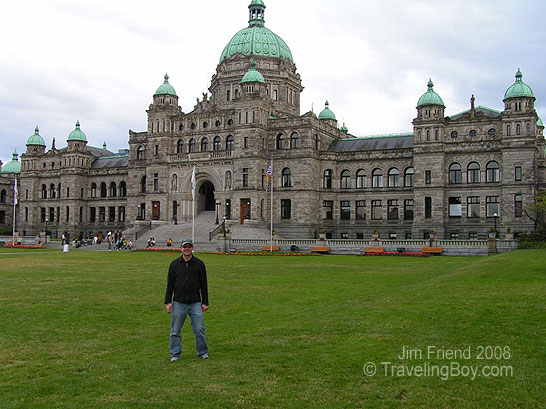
(45, 240)
(495, 216)
(217, 203)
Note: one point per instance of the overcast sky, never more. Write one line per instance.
(100, 61)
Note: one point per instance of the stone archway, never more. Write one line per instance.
(206, 201)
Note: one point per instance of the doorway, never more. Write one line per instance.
(156, 210)
(206, 195)
(245, 210)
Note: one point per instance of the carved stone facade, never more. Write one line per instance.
(458, 175)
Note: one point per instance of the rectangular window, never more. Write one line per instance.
(392, 209)
(26, 193)
(428, 177)
(51, 214)
(67, 213)
(26, 214)
(93, 214)
(473, 207)
(408, 209)
(408, 236)
(454, 235)
(81, 192)
(360, 236)
(344, 236)
(245, 177)
(42, 214)
(392, 235)
(492, 206)
(517, 174)
(360, 210)
(245, 142)
(67, 192)
(377, 210)
(102, 214)
(518, 205)
(121, 213)
(263, 178)
(111, 213)
(156, 150)
(81, 215)
(328, 208)
(455, 207)
(428, 207)
(345, 210)
(473, 235)
(286, 209)
(156, 182)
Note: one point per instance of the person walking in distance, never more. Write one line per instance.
(187, 294)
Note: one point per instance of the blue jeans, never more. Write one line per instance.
(179, 314)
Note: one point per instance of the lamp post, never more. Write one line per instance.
(138, 212)
(217, 204)
(495, 216)
(45, 240)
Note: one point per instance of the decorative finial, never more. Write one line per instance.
(166, 78)
(15, 155)
(253, 64)
(36, 130)
(77, 124)
(53, 144)
(104, 146)
(519, 75)
(430, 84)
(326, 104)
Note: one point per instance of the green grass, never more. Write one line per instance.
(88, 330)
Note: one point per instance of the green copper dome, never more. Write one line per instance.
(430, 97)
(519, 88)
(36, 139)
(252, 74)
(326, 113)
(165, 88)
(76, 134)
(257, 39)
(14, 166)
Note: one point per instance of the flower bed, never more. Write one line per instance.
(395, 253)
(171, 249)
(259, 253)
(24, 246)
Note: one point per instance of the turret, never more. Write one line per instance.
(35, 143)
(76, 140)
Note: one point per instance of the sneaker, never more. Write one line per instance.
(175, 358)
(204, 356)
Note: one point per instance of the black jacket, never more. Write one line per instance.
(188, 281)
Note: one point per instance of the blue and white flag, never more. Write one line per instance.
(193, 183)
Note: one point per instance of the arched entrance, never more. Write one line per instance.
(206, 197)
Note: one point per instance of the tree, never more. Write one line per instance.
(537, 213)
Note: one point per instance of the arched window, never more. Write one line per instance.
(394, 178)
(180, 146)
(455, 174)
(377, 178)
(472, 133)
(228, 180)
(408, 177)
(280, 141)
(52, 192)
(140, 153)
(122, 189)
(44, 191)
(473, 173)
(508, 128)
(492, 172)
(174, 183)
(294, 141)
(528, 128)
(103, 189)
(59, 190)
(518, 129)
(361, 179)
(229, 143)
(327, 179)
(113, 189)
(436, 135)
(204, 144)
(428, 135)
(3, 196)
(286, 177)
(191, 145)
(228, 95)
(93, 189)
(237, 93)
(143, 184)
(345, 179)
(217, 144)
(275, 95)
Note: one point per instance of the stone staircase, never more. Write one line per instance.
(204, 224)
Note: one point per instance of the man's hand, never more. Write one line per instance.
(169, 307)
(204, 307)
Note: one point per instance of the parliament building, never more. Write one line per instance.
(454, 174)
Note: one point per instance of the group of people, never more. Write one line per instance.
(116, 241)
(151, 242)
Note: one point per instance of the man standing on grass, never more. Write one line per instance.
(187, 280)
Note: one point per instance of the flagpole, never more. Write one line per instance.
(271, 229)
(193, 205)
(14, 204)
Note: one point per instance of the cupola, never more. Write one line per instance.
(13, 166)
(252, 75)
(77, 134)
(430, 105)
(327, 113)
(35, 143)
(519, 89)
(430, 97)
(165, 88)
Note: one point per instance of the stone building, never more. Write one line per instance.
(456, 174)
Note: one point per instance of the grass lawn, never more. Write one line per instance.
(88, 330)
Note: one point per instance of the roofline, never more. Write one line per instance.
(392, 135)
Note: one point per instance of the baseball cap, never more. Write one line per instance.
(186, 241)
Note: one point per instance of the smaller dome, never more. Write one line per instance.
(36, 139)
(344, 128)
(519, 89)
(326, 112)
(76, 134)
(430, 97)
(257, 3)
(14, 166)
(165, 88)
(252, 74)
(539, 122)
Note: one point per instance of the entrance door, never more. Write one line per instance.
(245, 209)
(156, 210)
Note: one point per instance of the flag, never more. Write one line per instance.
(193, 183)
(268, 174)
(15, 192)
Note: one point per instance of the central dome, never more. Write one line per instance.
(257, 39)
